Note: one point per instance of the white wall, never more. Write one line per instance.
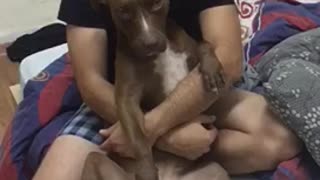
(22, 16)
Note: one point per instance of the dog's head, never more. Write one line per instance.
(142, 23)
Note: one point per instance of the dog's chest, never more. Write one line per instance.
(172, 67)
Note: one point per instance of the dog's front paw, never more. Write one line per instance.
(210, 69)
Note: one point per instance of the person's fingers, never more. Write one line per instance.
(205, 80)
(107, 146)
(212, 134)
(219, 83)
(107, 132)
(213, 84)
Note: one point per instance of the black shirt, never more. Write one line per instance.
(183, 12)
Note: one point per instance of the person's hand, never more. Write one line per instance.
(191, 140)
(211, 69)
(116, 141)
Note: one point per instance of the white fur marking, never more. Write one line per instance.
(172, 67)
(145, 24)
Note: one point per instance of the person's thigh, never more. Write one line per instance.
(65, 159)
(66, 156)
(247, 112)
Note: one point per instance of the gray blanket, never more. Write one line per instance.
(290, 73)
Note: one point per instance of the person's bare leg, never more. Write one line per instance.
(251, 138)
(65, 159)
(100, 167)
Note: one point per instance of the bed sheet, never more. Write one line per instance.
(249, 9)
(52, 97)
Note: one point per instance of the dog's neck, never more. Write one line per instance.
(173, 67)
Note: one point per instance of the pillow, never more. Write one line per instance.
(248, 11)
(34, 64)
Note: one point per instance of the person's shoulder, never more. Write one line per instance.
(82, 13)
(198, 5)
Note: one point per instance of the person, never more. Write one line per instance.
(250, 138)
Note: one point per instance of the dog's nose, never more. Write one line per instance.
(153, 45)
(150, 42)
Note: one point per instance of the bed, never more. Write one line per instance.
(260, 22)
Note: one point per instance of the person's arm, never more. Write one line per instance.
(87, 48)
(220, 27)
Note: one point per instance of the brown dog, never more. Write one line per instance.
(153, 56)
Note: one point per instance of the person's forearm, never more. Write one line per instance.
(220, 27)
(100, 98)
(190, 98)
(87, 48)
(185, 103)
(231, 62)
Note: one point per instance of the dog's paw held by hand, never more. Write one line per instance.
(211, 69)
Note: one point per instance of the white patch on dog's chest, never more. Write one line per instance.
(172, 67)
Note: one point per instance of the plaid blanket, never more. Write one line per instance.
(51, 98)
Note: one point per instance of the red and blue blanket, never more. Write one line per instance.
(51, 98)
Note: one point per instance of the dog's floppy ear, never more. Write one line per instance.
(97, 3)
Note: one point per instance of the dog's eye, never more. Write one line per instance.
(124, 13)
(157, 5)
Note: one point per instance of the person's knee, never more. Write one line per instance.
(98, 166)
(65, 158)
(275, 148)
(273, 144)
(275, 141)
